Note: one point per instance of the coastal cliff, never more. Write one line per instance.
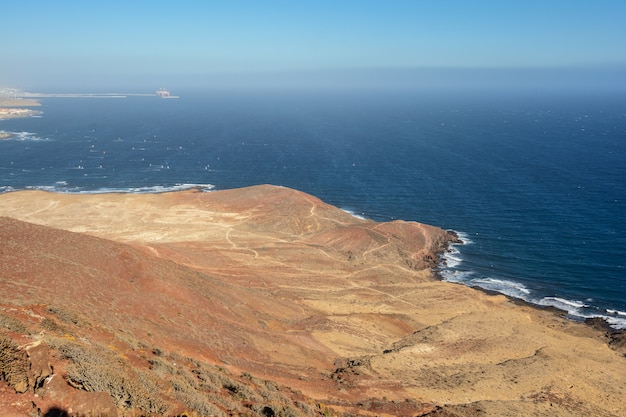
(268, 301)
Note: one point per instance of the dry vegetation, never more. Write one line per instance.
(13, 364)
(96, 368)
(149, 381)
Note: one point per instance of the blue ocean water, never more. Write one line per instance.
(534, 184)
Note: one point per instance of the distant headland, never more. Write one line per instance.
(15, 94)
(14, 107)
(15, 103)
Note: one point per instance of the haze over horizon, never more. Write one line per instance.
(138, 45)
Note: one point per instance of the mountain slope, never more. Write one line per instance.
(267, 300)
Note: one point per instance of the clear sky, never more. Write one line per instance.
(64, 43)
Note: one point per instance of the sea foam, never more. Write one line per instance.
(63, 187)
(22, 136)
(353, 214)
(451, 270)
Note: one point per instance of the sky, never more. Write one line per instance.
(81, 44)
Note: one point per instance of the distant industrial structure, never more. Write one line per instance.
(163, 93)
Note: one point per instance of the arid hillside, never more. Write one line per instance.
(267, 301)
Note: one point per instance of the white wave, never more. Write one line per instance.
(463, 237)
(452, 251)
(616, 312)
(507, 287)
(570, 306)
(577, 310)
(155, 189)
(449, 271)
(61, 187)
(455, 276)
(451, 258)
(50, 188)
(615, 322)
(22, 136)
(353, 214)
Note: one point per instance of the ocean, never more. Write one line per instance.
(535, 184)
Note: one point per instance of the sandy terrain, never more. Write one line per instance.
(274, 282)
(18, 102)
(12, 108)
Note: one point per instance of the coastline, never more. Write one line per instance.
(15, 108)
(337, 307)
(614, 338)
(81, 157)
(450, 258)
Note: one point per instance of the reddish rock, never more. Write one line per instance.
(38, 356)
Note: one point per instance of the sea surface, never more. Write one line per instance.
(535, 184)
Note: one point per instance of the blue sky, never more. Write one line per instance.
(63, 42)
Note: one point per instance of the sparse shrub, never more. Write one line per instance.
(12, 324)
(51, 325)
(212, 378)
(289, 411)
(207, 378)
(306, 409)
(67, 317)
(13, 364)
(243, 392)
(192, 398)
(226, 402)
(190, 378)
(129, 339)
(161, 367)
(95, 368)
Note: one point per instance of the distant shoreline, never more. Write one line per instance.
(82, 95)
(18, 98)
(18, 102)
(16, 105)
(15, 108)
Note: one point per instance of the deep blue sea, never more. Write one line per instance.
(534, 183)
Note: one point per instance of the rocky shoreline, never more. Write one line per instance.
(615, 338)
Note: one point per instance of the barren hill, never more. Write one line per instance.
(267, 301)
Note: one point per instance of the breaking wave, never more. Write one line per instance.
(452, 270)
(62, 187)
(21, 136)
(354, 214)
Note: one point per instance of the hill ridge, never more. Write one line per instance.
(267, 300)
